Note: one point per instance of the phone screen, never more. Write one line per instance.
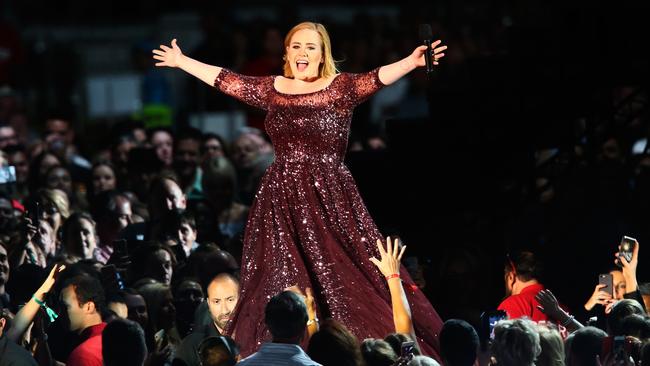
(607, 280)
(494, 319)
(407, 348)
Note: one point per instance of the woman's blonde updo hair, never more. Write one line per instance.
(328, 67)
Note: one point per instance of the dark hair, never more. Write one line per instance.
(141, 255)
(35, 181)
(15, 148)
(213, 136)
(334, 344)
(377, 352)
(286, 316)
(636, 325)
(72, 223)
(143, 160)
(586, 344)
(458, 343)
(188, 133)
(620, 311)
(525, 265)
(123, 343)
(218, 351)
(88, 289)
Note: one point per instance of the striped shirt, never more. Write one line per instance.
(279, 354)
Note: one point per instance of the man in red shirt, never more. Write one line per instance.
(83, 297)
(521, 277)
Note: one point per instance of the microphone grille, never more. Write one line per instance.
(425, 32)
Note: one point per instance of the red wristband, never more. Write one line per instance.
(394, 275)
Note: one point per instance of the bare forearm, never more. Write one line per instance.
(401, 309)
(25, 317)
(389, 74)
(205, 72)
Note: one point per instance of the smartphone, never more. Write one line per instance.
(488, 320)
(618, 347)
(608, 280)
(627, 249)
(407, 348)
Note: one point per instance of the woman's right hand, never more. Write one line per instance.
(170, 57)
(598, 297)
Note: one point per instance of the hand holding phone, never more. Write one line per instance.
(626, 250)
(607, 280)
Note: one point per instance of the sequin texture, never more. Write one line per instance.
(308, 225)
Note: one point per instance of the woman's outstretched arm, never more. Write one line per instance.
(389, 74)
(174, 57)
(389, 266)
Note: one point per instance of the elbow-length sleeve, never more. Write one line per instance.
(252, 90)
(364, 85)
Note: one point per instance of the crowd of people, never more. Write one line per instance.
(146, 258)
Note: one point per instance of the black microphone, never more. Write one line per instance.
(426, 35)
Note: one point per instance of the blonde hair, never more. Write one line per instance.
(328, 67)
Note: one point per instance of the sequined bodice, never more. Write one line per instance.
(304, 127)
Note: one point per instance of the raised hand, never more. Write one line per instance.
(549, 305)
(419, 53)
(629, 268)
(598, 297)
(168, 56)
(389, 263)
(51, 278)
(307, 296)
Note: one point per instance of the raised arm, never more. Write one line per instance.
(389, 74)
(174, 57)
(389, 266)
(26, 314)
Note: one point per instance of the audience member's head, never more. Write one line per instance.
(635, 325)
(160, 306)
(123, 344)
(586, 343)
(286, 317)
(218, 351)
(334, 344)
(104, 177)
(84, 301)
(521, 270)
(459, 343)
(552, 347)
(136, 306)
(223, 295)
(620, 311)
(163, 142)
(516, 343)
(377, 352)
(423, 361)
(80, 236)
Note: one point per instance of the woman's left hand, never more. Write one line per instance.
(419, 53)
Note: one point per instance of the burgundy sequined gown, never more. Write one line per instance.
(308, 225)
